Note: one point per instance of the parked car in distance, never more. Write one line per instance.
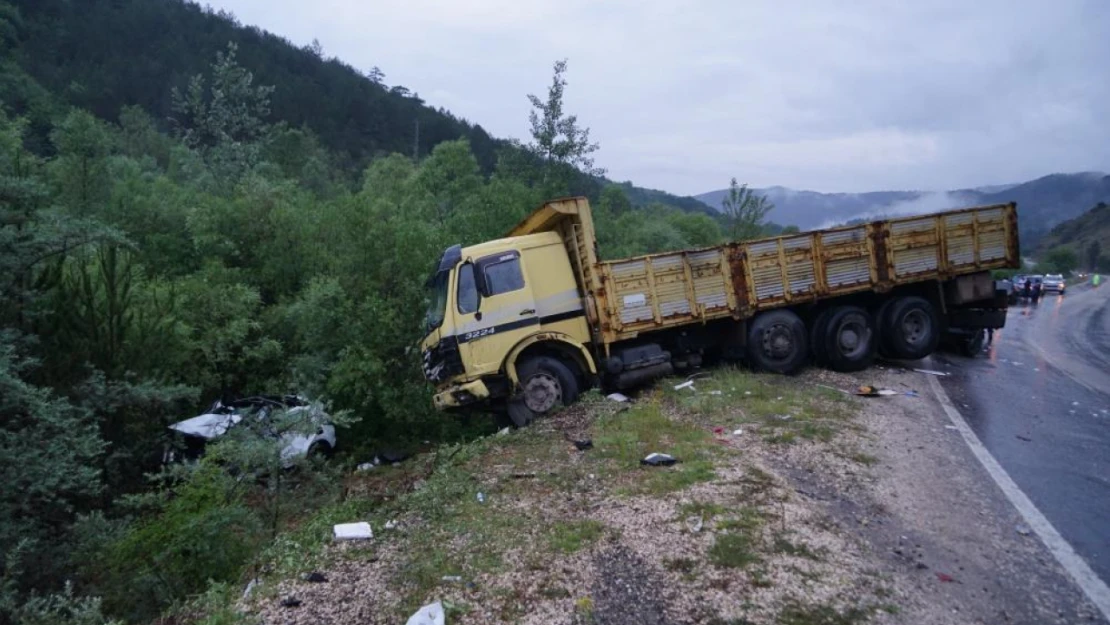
(1054, 282)
(314, 434)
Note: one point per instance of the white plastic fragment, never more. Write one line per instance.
(502, 431)
(451, 578)
(694, 524)
(617, 397)
(931, 372)
(747, 392)
(353, 531)
(887, 391)
(250, 587)
(714, 392)
(951, 427)
(738, 432)
(687, 384)
(391, 524)
(431, 614)
(365, 466)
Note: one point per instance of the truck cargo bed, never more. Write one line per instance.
(660, 291)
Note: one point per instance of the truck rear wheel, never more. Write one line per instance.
(545, 385)
(777, 342)
(849, 340)
(911, 328)
(817, 332)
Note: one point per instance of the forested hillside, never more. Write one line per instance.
(176, 233)
(1084, 240)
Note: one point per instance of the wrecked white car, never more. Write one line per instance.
(306, 429)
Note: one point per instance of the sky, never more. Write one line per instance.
(684, 95)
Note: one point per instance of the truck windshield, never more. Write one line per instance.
(437, 300)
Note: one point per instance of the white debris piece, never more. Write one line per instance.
(353, 531)
(502, 431)
(694, 524)
(738, 432)
(687, 384)
(617, 397)
(365, 466)
(431, 614)
(390, 525)
(951, 427)
(931, 372)
(714, 392)
(887, 391)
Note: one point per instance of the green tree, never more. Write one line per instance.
(226, 120)
(557, 139)
(1094, 251)
(745, 211)
(81, 168)
(1062, 259)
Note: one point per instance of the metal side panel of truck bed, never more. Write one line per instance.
(659, 291)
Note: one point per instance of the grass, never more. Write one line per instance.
(704, 509)
(734, 551)
(798, 614)
(785, 546)
(570, 536)
(627, 437)
(864, 459)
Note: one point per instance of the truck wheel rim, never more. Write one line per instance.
(915, 326)
(778, 342)
(542, 392)
(852, 338)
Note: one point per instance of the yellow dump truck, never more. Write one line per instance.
(524, 323)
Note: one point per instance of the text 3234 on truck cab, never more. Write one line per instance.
(529, 321)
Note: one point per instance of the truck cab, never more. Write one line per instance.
(494, 306)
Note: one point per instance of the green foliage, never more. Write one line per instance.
(63, 608)
(556, 137)
(1062, 260)
(745, 211)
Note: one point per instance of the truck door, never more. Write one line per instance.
(496, 310)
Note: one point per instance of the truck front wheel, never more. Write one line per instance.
(545, 385)
(911, 328)
(777, 342)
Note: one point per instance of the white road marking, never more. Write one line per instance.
(1095, 589)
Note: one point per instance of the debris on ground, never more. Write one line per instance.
(290, 602)
(431, 614)
(687, 384)
(932, 372)
(353, 531)
(1024, 438)
(250, 587)
(944, 577)
(584, 444)
(715, 392)
(872, 391)
(618, 397)
(659, 460)
(481, 498)
(502, 431)
(451, 578)
(951, 427)
(738, 432)
(391, 524)
(694, 524)
(366, 466)
(1022, 529)
(316, 577)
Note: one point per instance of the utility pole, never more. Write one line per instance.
(416, 142)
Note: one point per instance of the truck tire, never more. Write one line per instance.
(777, 342)
(545, 385)
(912, 328)
(817, 332)
(882, 316)
(850, 339)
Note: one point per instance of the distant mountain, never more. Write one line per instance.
(1080, 232)
(1042, 203)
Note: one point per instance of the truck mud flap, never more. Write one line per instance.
(977, 318)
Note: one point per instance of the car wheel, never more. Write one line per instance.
(321, 450)
(912, 328)
(777, 342)
(850, 339)
(545, 385)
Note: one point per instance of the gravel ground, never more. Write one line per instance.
(887, 522)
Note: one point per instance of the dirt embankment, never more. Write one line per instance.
(792, 503)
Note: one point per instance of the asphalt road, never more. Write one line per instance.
(1039, 400)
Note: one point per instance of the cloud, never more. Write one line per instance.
(806, 94)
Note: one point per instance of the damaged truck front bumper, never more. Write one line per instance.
(461, 394)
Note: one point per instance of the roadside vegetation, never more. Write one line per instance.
(150, 266)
